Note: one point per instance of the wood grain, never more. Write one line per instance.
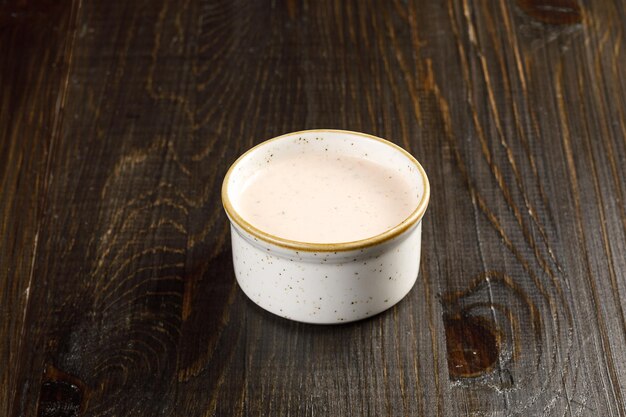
(36, 41)
(119, 120)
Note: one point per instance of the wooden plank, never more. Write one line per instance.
(36, 42)
(516, 111)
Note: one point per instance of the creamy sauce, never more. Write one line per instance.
(324, 198)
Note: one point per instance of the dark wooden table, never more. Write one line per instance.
(119, 119)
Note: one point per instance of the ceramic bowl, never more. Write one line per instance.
(325, 282)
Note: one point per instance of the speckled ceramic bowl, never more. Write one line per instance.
(326, 282)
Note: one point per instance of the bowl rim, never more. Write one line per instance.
(397, 230)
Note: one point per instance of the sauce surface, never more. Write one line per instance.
(324, 198)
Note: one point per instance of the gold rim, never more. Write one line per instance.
(412, 219)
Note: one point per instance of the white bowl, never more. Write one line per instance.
(326, 282)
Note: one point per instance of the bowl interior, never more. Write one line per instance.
(331, 142)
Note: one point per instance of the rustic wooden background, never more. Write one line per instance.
(119, 119)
